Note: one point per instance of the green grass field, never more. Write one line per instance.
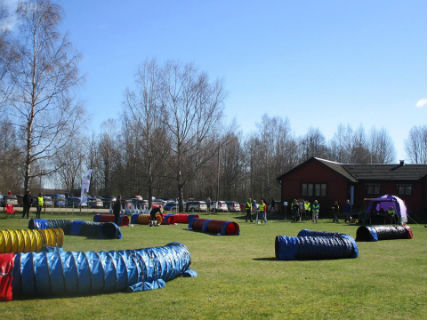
(238, 278)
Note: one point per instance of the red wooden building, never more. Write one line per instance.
(328, 181)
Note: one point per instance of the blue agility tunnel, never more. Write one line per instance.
(91, 229)
(311, 245)
(55, 272)
(385, 232)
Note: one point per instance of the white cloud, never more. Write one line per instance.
(421, 103)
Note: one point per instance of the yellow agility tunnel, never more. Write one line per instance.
(27, 240)
(145, 218)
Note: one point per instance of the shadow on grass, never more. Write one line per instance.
(266, 259)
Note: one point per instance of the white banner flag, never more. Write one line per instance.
(85, 187)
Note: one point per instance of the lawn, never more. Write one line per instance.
(238, 278)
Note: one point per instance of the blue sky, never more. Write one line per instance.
(318, 63)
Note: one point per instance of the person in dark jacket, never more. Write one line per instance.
(153, 213)
(335, 212)
(347, 212)
(27, 202)
(117, 208)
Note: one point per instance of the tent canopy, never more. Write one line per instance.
(385, 202)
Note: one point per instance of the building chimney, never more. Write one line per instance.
(401, 164)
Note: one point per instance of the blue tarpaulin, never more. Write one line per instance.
(316, 245)
(79, 228)
(56, 272)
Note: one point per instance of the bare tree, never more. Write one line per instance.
(8, 55)
(70, 163)
(313, 144)
(143, 118)
(416, 144)
(42, 80)
(381, 146)
(10, 157)
(109, 156)
(341, 144)
(192, 107)
(359, 152)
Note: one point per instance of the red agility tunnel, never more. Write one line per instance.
(124, 220)
(180, 218)
(230, 228)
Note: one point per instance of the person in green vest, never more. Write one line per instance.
(248, 207)
(307, 208)
(390, 215)
(262, 211)
(39, 205)
(315, 208)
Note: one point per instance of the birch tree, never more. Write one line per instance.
(42, 80)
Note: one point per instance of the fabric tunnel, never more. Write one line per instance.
(124, 219)
(145, 218)
(172, 218)
(218, 227)
(313, 233)
(27, 240)
(55, 272)
(312, 245)
(107, 230)
(385, 232)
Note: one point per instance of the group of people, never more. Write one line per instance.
(304, 209)
(382, 216)
(27, 201)
(259, 208)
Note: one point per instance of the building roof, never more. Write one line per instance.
(338, 167)
(389, 172)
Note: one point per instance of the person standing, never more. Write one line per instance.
(301, 209)
(27, 201)
(390, 216)
(335, 212)
(248, 207)
(315, 211)
(39, 205)
(264, 210)
(208, 203)
(307, 209)
(117, 208)
(347, 211)
(295, 210)
(259, 211)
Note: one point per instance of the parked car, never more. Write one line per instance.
(193, 206)
(59, 200)
(218, 206)
(108, 201)
(74, 202)
(233, 206)
(48, 201)
(94, 202)
(11, 199)
(1, 200)
(172, 205)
